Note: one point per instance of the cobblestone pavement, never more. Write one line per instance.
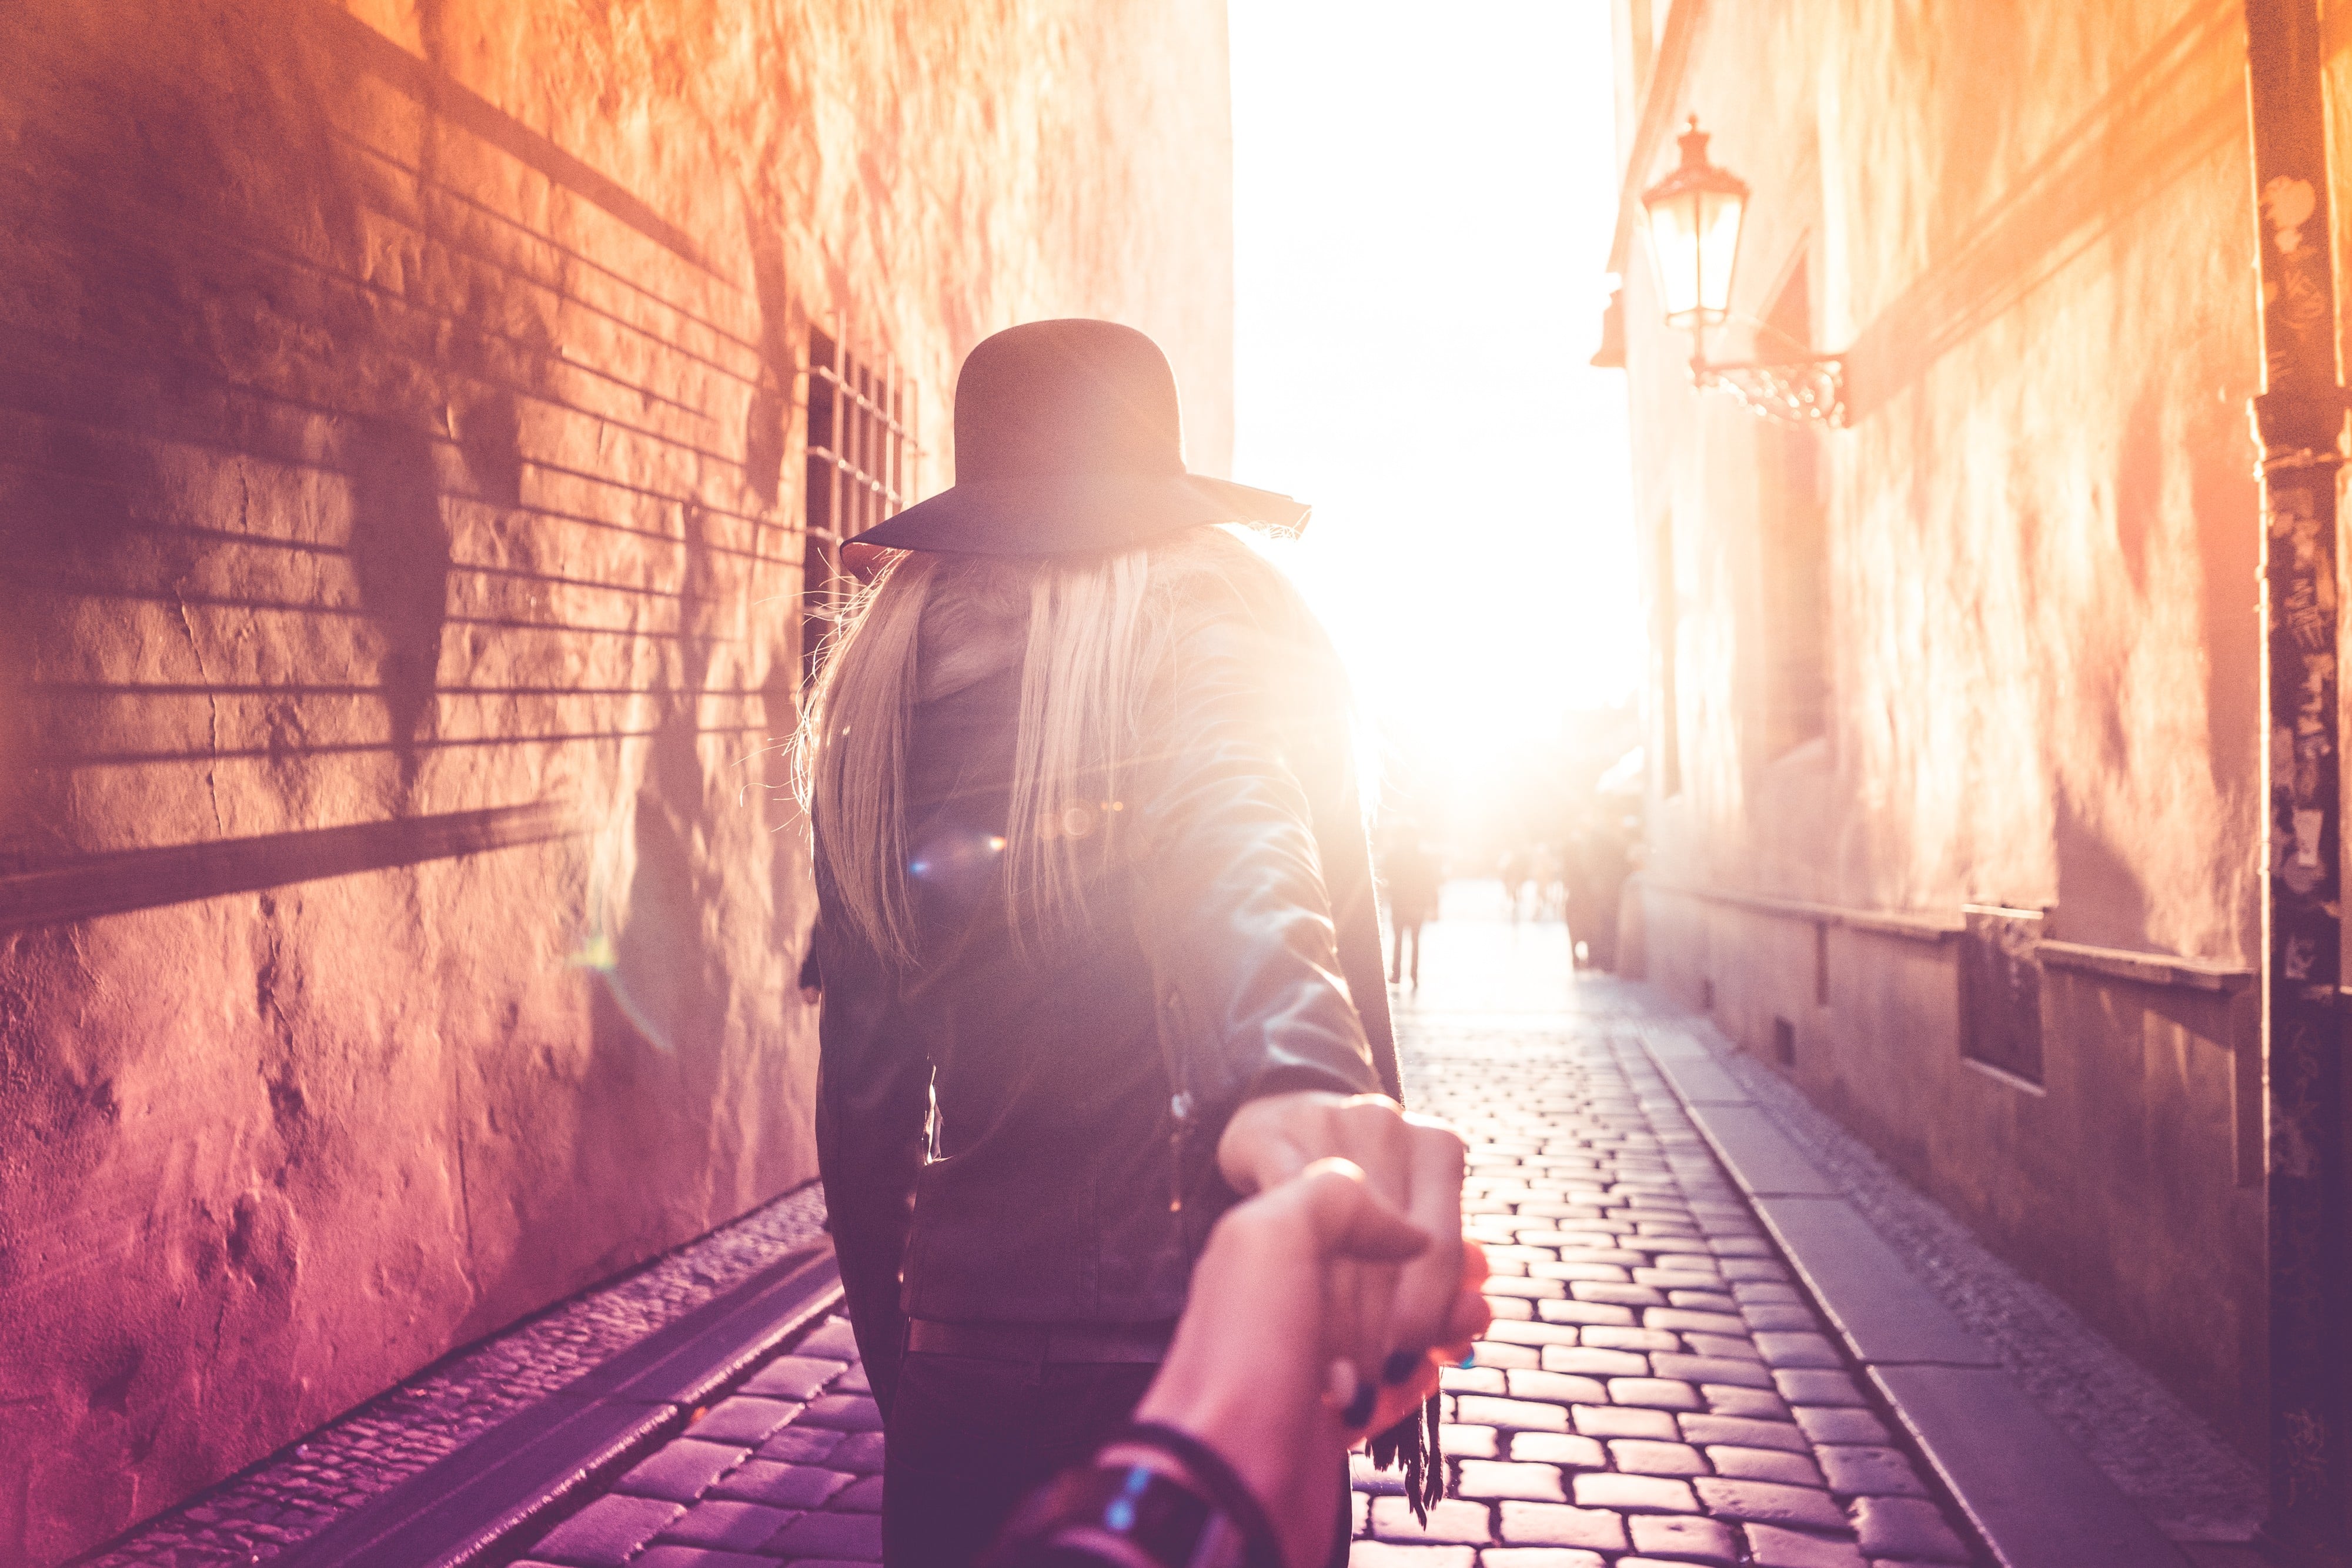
(298, 1492)
(1654, 1391)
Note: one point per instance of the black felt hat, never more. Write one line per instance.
(1067, 437)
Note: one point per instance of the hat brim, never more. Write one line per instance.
(1065, 513)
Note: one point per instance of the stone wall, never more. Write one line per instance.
(400, 446)
(2029, 230)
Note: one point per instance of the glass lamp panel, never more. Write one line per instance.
(1719, 214)
(1674, 249)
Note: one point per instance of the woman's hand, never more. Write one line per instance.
(1251, 1370)
(1386, 1315)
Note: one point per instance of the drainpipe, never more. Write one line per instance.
(2298, 424)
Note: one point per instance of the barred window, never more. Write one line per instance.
(861, 469)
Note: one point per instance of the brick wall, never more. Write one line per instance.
(399, 452)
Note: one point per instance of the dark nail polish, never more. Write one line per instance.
(1359, 1412)
(1400, 1365)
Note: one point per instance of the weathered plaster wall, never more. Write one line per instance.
(398, 435)
(2030, 228)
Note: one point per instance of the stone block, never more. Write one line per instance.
(604, 1533)
(1388, 1554)
(1770, 1546)
(1770, 1502)
(1684, 1539)
(1712, 1369)
(1536, 1557)
(1863, 1471)
(1828, 1424)
(1632, 1339)
(832, 1339)
(1809, 1386)
(1635, 1494)
(860, 1454)
(1567, 1449)
(1648, 1456)
(1591, 1361)
(847, 1537)
(1556, 1388)
(800, 1445)
(1765, 1464)
(1510, 1415)
(1808, 1349)
(1743, 1432)
(844, 1413)
(1558, 1524)
(1615, 1295)
(1494, 1353)
(1907, 1527)
(1466, 1442)
(1508, 1309)
(1625, 1421)
(1534, 1334)
(729, 1526)
(1472, 1380)
(782, 1486)
(1493, 1478)
(799, 1378)
(1702, 1301)
(743, 1419)
(863, 1495)
(1654, 1394)
(1582, 1312)
(681, 1470)
(1771, 1317)
(1724, 1347)
(1453, 1522)
(1680, 1320)
(673, 1556)
(1758, 1403)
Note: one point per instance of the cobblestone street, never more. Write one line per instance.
(1653, 1391)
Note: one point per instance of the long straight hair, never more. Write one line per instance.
(1093, 635)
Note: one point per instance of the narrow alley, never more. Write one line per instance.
(1668, 1381)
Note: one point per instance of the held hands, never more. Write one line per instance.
(1251, 1370)
(1385, 1312)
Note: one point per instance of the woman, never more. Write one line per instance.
(1095, 936)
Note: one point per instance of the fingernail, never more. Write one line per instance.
(1469, 1359)
(1359, 1412)
(1399, 1365)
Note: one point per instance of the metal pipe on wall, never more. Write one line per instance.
(2298, 424)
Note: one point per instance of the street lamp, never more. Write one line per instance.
(1694, 217)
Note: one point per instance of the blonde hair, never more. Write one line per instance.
(1093, 635)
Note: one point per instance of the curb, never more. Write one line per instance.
(517, 1476)
(2031, 1495)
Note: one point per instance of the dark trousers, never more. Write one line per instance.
(969, 1439)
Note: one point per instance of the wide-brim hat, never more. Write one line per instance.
(1068, 436)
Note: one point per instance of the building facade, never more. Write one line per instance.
(423, 433)
(1955, 713)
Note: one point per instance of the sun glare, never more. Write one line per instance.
(1421, 214)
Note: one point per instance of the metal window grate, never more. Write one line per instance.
(863, 459)
(2000, 989)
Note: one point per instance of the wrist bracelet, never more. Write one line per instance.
(1206, 1520)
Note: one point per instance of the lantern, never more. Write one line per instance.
(1694, 217)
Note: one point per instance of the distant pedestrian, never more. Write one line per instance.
(1414, 875)
(1096, 940)
(1514, 871)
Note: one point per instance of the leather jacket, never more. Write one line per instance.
(1025, 1131)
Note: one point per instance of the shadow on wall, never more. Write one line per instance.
(400, 558)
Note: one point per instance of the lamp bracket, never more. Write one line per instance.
(1801, 389)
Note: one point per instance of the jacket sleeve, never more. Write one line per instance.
(1231, 905)
(873, 1096)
